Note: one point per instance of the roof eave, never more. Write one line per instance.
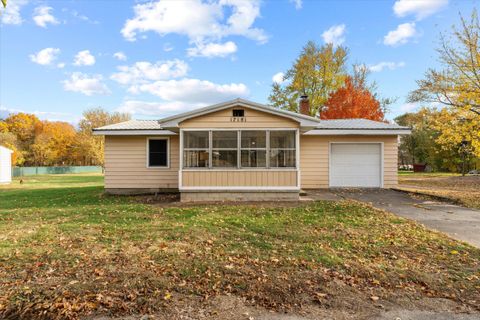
(362, 132)
(133, 132)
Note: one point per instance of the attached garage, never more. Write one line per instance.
(356, 165)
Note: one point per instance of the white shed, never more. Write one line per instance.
(5, 165)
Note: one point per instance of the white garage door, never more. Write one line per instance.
(355, 165)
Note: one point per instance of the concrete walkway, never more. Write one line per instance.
(458, 222)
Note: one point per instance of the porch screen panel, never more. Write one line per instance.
(282, 149)
(195, 149)
(253, 149)
(224, 149)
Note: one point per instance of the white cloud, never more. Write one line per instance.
(167, 47)
(61, 65)
(83, 83)
(401, 35)
(13, 110)
(142, 72)
(298, 4)
(408, 107)
(11, 14)
(420, 8)
(192, 90)
(157, 108)
(120, 56)
(45, 56)
(386, 65)
(82, 17)
(42, 16)
(84, 58)
(43, 115)
(278, 78)
(200, 21)
(210, 50)
(335, 35)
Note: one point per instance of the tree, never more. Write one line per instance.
(419, 146)
(455, 127)
(95, 118)
(439, 138)
(317, 72)
(9, 140)
(457, 85)
(353, 100)
(53, 145)
(24, 126)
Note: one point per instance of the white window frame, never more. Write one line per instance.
(239, 167)
(148, 153)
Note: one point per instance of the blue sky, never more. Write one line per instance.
(153, 59)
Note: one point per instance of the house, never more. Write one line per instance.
(5, 165)
(242, 150)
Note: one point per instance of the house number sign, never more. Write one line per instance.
(238, 119)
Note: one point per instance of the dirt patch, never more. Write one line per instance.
(457, 189)
(236, 308)
(173, 201)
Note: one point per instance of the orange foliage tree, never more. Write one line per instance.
(54, 143)
(352, 100)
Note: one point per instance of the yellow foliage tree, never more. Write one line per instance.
(317, 72)
(457, 85)
(95, 118)
(458, 130)
(53, 145)
(24, 126)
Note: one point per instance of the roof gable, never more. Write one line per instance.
(174, 121)
(252, 118)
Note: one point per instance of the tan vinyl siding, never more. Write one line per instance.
(240, 178)
(253, 119)
(314, 158)
(126, 164)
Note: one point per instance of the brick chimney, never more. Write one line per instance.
(304, 105)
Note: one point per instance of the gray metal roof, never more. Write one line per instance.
(133, 125)
(357, 124)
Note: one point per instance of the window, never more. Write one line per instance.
(238, 113)
(239, 149)
(158, 152)
(254, 149)
(224, 149)
(195, 149)
(282, 149)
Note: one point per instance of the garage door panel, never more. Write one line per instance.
(355, 165)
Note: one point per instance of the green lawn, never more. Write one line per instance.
(67, 250)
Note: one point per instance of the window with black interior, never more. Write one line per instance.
(158, 152)
(238, 113)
